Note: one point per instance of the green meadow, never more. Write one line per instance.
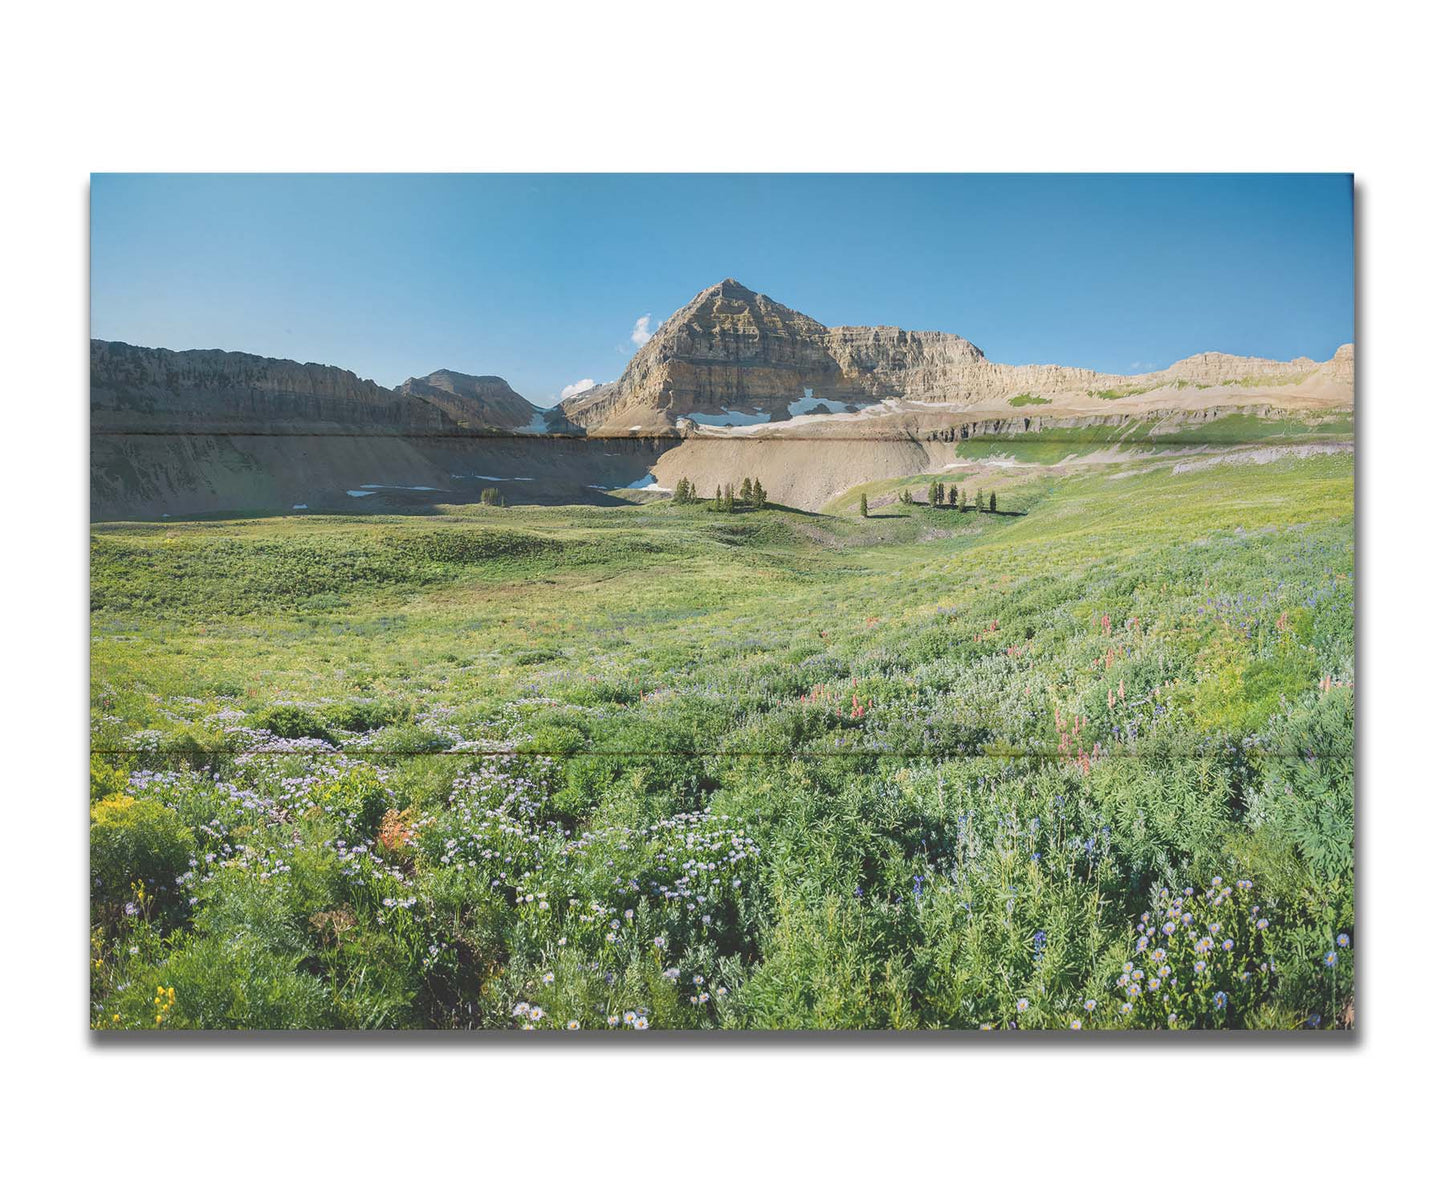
(1085, 764)
(1054, 444)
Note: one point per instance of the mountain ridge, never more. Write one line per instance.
(731, 351)
(484, 402)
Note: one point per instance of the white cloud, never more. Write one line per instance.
(640, 333)
(580, 387)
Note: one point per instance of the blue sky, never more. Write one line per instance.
(543, 279)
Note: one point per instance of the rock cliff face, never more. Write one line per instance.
(135, 388)
(729, 348)
(732, 353)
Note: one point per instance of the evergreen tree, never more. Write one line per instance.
(717, 499)
(746, 495)
(906, 497)
(760, 495)
(730, 498)
(963, 501)
(953, 495)
(978, 501)
(863, 505)
(993, 502)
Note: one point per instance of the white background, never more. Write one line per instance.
(721, 86)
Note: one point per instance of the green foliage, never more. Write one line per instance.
(1028, 399)
(136, 842)
(290, 722)
(768, 770)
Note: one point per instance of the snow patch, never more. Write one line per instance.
(808, 402)
(301, 506)
(360, 493)
(887, 406)
(728, 418)
(647, 484)
(421, 488)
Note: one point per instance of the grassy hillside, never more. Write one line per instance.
(1054, 444)
(659, 767)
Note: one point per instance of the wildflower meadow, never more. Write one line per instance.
(1081, 761)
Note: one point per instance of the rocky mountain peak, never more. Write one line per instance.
(733, 356)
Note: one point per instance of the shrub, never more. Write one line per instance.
(290, 722)
(538, 656)
(360, 716)
(136, 840)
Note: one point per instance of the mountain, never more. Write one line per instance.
(733, 384)
(150, 388)
(485, 403)
(204, 432)
(735, 358)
